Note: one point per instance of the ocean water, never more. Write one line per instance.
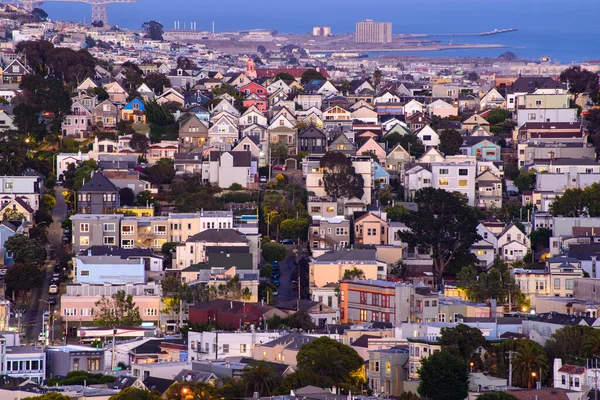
(566, 30)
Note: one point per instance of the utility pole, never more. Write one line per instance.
(510, 368)
(112, 356)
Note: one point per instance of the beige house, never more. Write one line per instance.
(286, 135)
(546, 101)
(144, 232)
(193, 133)
(331, 266)
(370, 229)
(282, 350)
(488, 190)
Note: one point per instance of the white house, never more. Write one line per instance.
(455, 176)
(429, 137)
(63, 160)
(226, 168)
(413, 107)
(513, 244)
(217, 345)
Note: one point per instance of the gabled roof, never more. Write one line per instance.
(129, 105)
(218, 236)
(240, 158)
(98, 183)
(312, 132)
(159, 384)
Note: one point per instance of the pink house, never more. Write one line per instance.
(75, 309)
(77, 123)
(371, 146)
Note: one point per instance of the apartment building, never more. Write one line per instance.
(379, 300)
(385, 374)
(28, 187)
(144, 232)
(27, 362)
(195, 249)
(371, 229)
(369, 31)
(455, 176)
(184, 225)
(108, 269)
(95, 230)
(98, 196)
(329, 233)
(217, 344)
(331, 266)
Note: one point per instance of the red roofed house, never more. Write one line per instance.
(225, 314)
(570, 377)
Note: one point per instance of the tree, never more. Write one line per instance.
(443, 376)
(530, 357)
(450, 142)
(22, 277)
(284, 76)
(192, 391)
(117, 310)
(48, 202)
(75, 174)
(353, 273)
(472, 76)
(89, 42)
(162, 172)
(279, 151)
(579, 80)
(591, 344)
(377, 75)
(443, 223)
(540, 238)
(462, 340)
(495, 283)
(311, 75)
(127, 196)
(157, 82)
(12, 214)
(39, 14)
(508, 56)
(98, 24)
(273, 252)
(158, 114)
(139, 143)
(261, 49)
(133, 393)
(409, 142)
(339, 177)
(26, 250)
(497, 116)
(144, 198)
(260, 377)
(153, 30)
(292, 228)
(266, 271)
(303, 378)
(572, 203)
(570, 341)
(395, 213)
(184, 63)
(329, 358)
(525, 180)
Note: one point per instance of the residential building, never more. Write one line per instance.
(283, 349)
(105, 115)
(28, 187)
(63, 160)
(370, 229)
(195, 251)
(134, 112)
(386, 373)
(193, 133)
(98, 196)
(312, 140)
(217, 345)
(368, 31)
(379, 300)
(224, 169)
(329, 233)
(226, 314)
(420, 348)
(455, 176)
(488, 190)
(108, 269)
(64, 359)
(331, 266)
(95, 230)
(27, 362)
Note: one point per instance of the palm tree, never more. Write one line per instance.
(529, 363)
(260, 377)
(591, 344)
(377, 75)
(327, 362)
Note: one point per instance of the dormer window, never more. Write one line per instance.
(179, 72)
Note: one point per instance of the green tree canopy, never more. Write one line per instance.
(153, 30)
(395, 213)
(409, 142)
(311, 75)
(157, 82)
(498, 115)
(443, 223)
(580, 80)
(126, 196)
(26, 250)
(443, 376)
(329, 358)
(22, 277)
(76, 174)
(303, 378)
(284, 76)
(261, 377)
(192, 391)
(578, 202)
(525, 180)
(273, 252)
(49, 396)
(569, 342)
(530, 357)
(117, 310)
(540, 238)
(450, 142)
(353, 273)
(133, 393)
(162, 172)
(463, 340)
(495, 283)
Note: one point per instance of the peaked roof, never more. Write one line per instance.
(312, 132)
(98, 183)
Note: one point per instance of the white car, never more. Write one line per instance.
(41, 337)
(52, 289)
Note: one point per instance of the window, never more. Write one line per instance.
(8, 185)
(127, 229)
(225, 349)
(443, 182)
(85, 272)
(86, 312)
(376, 366)
(375, 299)
(160, 229)
(109, 240)
(93, 364)
(531, 117)
(569, 284)
(127, 243)
(109, 227)
(84, 241)
(556, 283)
(463, 172)
(463, 182)
(150, 312)
(84, 227)
(70, 312)
(363, 315)
(363, 298)
(341, 295)
(388, 367)
(426, 138)
(443, 171)
(75, 364)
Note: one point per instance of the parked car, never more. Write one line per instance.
(287, 241)
(52, 300)
(275, 281)
(263, 179)
(53, 289)
(279, 167)
(275, 264)
(275, 274)
(41, 337)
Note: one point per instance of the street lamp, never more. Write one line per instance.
(471, 364)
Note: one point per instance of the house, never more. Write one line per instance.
(428, 136)
(442, 109)
(226, 314)
(455, 176)
(365, 115)
(16, 210)
(488, 190)
(163, 149)
(134, 111)
(63, 160)
(28, 188)
(108, 269)
(337, 118)
(9, 229)
(380, 300)
(14, 71)
(193, 133)
(283, 349)
(370, 229)
(396, 159)
(473, 121)
(223, 134)
(286, 135)
(86, 85)
(77, 122)
(386, 96)
(417, 121)
(98, 196)
(116, 93)
(234, 344)
(26, 362)
(231, 167)
(372, 147)
(194, 250)
(312, 140)
(482, 148)
(105, 115)
(331, 266)
(181, 78)
(64, 359)
(513, 244)
(171, 95)
(413, 107)
(328, 233)
(6, 121)
(552, 115)
(386, 371)
(308, 101)
(342, 144)
(492, 99)
(253, 115)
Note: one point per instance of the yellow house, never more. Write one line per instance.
(134, 111)
(16, 209)
(136, 211)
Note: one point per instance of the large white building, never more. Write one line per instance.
(455, 176)
(369, 31)
(217, 345)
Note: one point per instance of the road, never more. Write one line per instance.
(31, 320)
(287, 268)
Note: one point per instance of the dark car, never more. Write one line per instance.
(263, 179)
(52, 300)
(275, 274)
(287, 241)
(275, 264)
(275, 281)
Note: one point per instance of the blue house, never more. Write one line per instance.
(380, 175)
(482, 147)
(134, 111)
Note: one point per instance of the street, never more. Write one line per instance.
(286, 268)
(31, 321)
